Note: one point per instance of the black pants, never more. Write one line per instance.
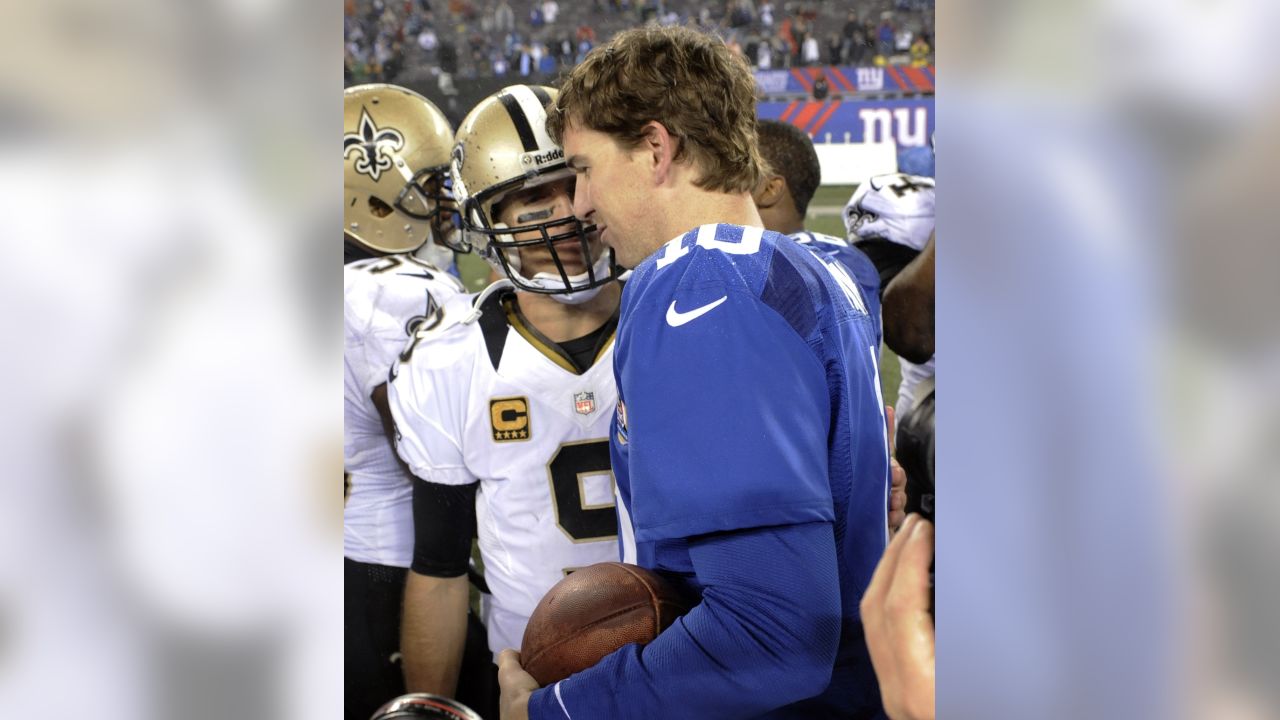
(374, 595)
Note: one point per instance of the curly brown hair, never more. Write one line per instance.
(692, 83)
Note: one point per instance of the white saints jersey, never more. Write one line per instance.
(383, 300)
(897, 208)
(492, 401)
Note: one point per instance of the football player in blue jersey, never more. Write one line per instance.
(783, 199)
(749, 443)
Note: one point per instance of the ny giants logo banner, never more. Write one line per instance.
(909, 123)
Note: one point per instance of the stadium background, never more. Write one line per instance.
(857, 77)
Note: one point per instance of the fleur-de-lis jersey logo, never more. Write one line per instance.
(373, 144)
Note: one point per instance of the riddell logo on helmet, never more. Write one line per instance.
(542, 158)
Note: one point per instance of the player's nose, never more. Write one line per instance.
(582, 208)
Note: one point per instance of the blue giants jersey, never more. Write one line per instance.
(749, 397)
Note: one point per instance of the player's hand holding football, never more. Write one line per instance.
(899, 627)
(517, 686)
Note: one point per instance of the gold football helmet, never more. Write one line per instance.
(395, 150)
(503, 147)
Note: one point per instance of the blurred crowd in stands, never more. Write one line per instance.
(449, 41)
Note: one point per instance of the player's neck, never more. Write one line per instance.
(560, 321)
(702, 207)
(790, 227)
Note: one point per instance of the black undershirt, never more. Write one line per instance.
(583, 350)
(579, 352)
(444, 518)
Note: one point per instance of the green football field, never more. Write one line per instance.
(824, 217)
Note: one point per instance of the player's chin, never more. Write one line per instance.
(570, 253)
(572, 265)
(596, 243)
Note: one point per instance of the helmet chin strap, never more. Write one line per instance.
(576, 297)
(552, 281)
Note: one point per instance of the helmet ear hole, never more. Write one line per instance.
(378, 207)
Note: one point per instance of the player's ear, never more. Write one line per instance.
(659, 147)
(769, 191)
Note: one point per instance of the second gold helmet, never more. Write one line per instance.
(395, 149)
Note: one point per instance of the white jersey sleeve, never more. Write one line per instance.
(898, 208)
(384, 299)
(429, 414)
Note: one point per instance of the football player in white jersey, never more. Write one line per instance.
(396, 151)
(890, 218)
(505, 421)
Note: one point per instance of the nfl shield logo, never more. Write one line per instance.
(584, 402)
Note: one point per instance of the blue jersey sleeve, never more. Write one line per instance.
(728, 411)
(757, 641)
(868, 279)
(858, 264)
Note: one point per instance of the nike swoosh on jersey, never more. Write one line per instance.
(675, 318)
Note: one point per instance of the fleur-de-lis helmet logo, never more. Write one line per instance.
(373, 145)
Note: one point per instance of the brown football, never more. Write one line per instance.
(594, 611)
